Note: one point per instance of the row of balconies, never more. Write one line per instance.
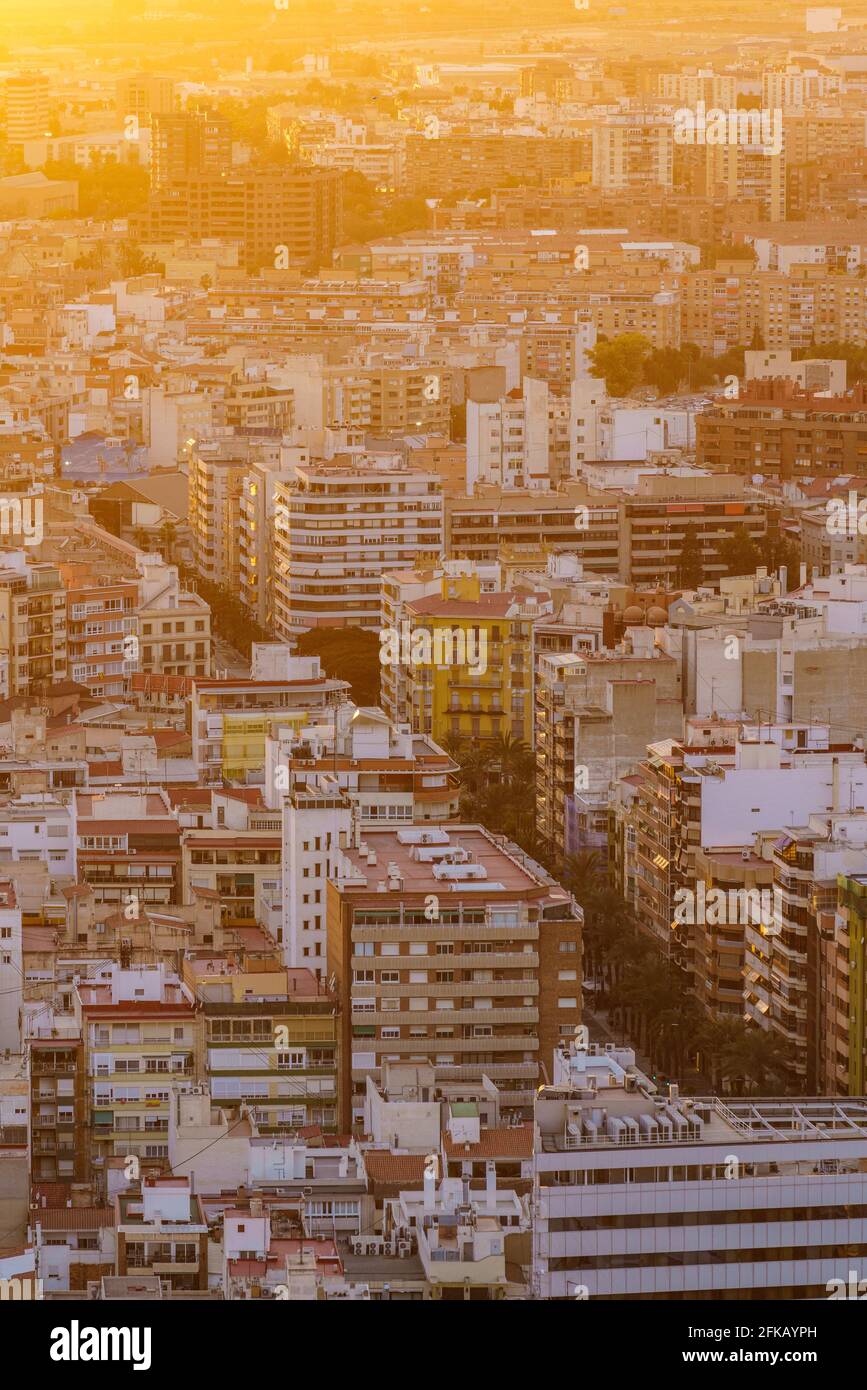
(447, 989)
(446, 1017)
(499, 1044)
(459, 960)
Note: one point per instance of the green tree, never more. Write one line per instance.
(620, 362)
(665, 368)
(690, 565)
(738, 552)
(349, 654)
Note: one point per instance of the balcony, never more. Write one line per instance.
(446, 1017)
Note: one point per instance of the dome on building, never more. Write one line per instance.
(632, 615)
(657, 617)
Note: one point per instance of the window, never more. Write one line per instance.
(569, 1002)
(568, 947)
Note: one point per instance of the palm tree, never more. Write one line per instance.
(508, 754)
(454, 745)
(758, 1059)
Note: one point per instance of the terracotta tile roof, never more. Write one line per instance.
(384, 1166)
(74, 1218)
(513, 1142)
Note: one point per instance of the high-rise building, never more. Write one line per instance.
(633, 150)
(446, 946)
(188, 144)
(144, 95)
(26, 107)
(647, 1196)
(282, 217)
(337, 526)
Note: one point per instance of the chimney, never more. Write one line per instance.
(802, 578)
(835, 784)
(784, 581)
(430, 1182)
(490, 1178)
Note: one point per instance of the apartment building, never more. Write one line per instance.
(162, 1233)
(592, 715)
(316, 820)
(368, 390)
(796, 656)
(783, 991)
(186, 143)
(463, 1237)
(38, 827)
(456, 916)
(477, 527)
(173, 624)
(337, 526)
(842, 998)
(138, 1026)
(269, 1039)
(256, 510)
(27, 97)
(59, 1100)
(661, 507)
(286, 215)
(748, 172)
(144, 95)
(522, 440)
(129, 849)
(465, 162)
(32, 623)
(775, 428)
(100, 614)
(230, 719)
(763, 1199)
(236, 865)
(216, 472)
(387, 772)
(634, 150)
(476, 681)
(725, 308)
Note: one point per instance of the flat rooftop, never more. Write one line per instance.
(448, 861)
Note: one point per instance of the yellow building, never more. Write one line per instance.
(468, 661)
(269, 1037)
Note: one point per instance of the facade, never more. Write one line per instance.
(734, 1174)
(138, 1028)
(269, 1038)
(477, 681)
(466, 958)
(336, 528)
(32, 623)
(230, 719)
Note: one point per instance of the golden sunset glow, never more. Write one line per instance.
(433, 653)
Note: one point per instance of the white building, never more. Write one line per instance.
(337, 527)
(639, 1195)
(11, 976)
(36, 828)
(314, 822)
